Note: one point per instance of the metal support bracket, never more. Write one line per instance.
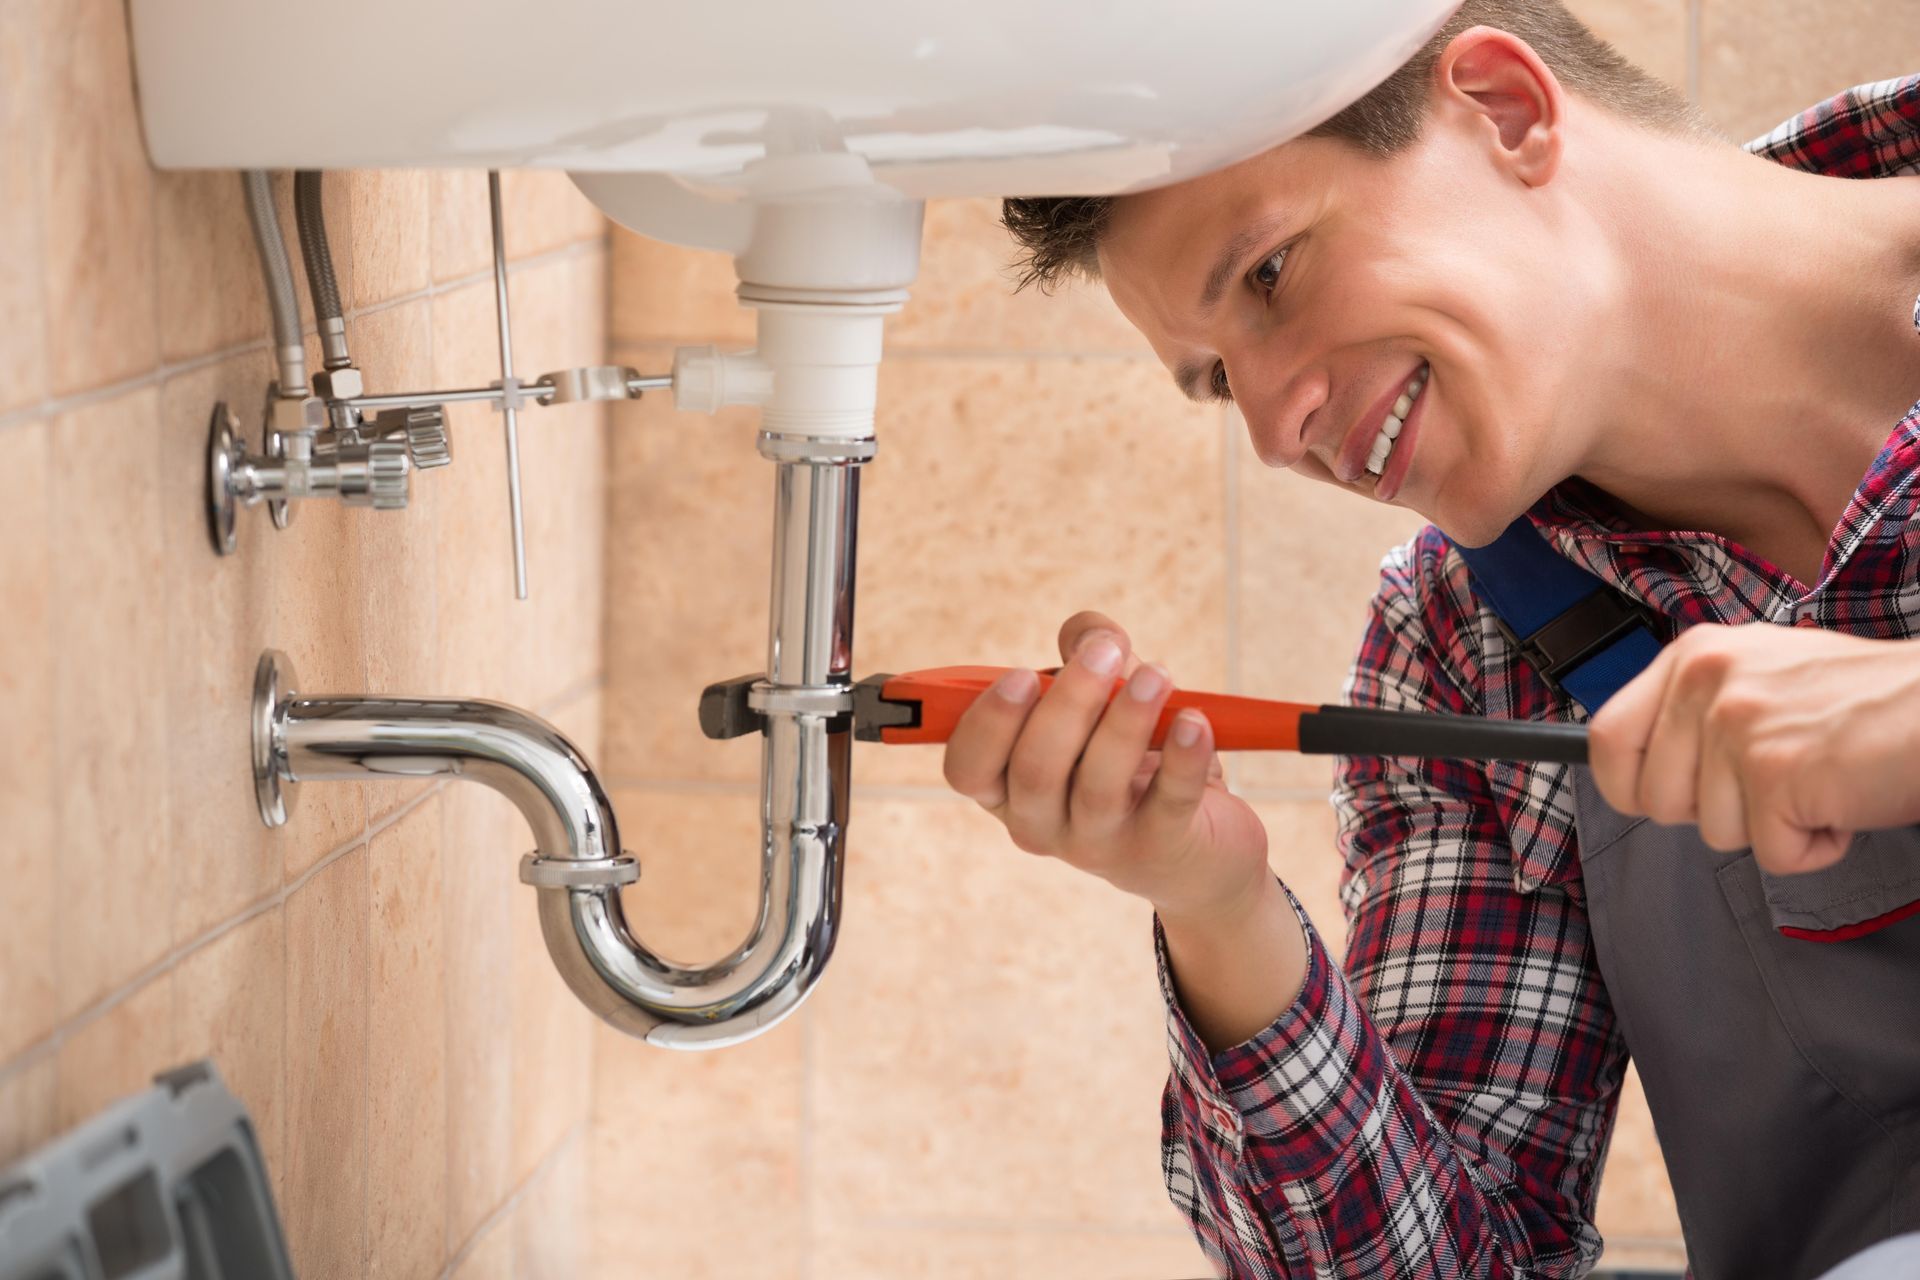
(734, 708)
(813, 700)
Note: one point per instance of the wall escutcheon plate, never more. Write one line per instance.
(273, 682)
(227, 461)
(225, 449)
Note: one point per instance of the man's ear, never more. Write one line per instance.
(1492, 75)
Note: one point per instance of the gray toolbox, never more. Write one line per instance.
(168, 1183)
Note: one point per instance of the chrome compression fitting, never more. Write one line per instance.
(367, 467)
(330, 438)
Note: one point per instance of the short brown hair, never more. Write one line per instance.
(1058, 235)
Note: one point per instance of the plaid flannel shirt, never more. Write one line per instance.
(1443, 1106)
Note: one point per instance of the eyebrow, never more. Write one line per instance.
(1224, 269)
(1240, 246)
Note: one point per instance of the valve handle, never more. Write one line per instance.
(422, 429)
(374, 473)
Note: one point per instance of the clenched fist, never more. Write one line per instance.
(1789, 739)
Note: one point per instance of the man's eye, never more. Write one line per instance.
(1267, 274)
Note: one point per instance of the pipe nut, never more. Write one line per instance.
(795, 699)
(339, 384)
(292, 415)
(577, 873)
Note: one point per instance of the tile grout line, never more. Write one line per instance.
(366, 868)
(434, 289)
(366, 1053)
(52, 630)
(609, 283)
(285, 1139)
(440, 838)
(47, 409)
(50, 1044)
(586, 1126)
(52, 671)
(505, 1207)
(153, 227)
(172, 958)
(579, 691)
(46, 285)
(446, 1060)
(810, 1217)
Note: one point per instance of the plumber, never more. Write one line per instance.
(1657, 395)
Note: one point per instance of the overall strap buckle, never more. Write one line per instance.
(1586, 628)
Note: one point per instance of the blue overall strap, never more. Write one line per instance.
(1587, 639)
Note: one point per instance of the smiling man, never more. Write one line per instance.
(1646, 385)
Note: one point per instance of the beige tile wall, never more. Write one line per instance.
(369, 978)
(973, 1090)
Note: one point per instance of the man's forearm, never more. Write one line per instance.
(1237, 973)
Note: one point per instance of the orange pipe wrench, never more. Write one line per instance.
(925, 706)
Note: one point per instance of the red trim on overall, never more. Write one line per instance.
(1859, 930)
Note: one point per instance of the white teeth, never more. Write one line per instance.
(1395, 421)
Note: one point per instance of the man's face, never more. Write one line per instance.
(1342, 279)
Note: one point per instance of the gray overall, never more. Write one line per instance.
(1783, 1074)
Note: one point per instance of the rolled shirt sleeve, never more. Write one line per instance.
(1440, 1105)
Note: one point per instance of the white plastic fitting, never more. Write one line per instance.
(813, 374)
(706, 379)
(826, 362)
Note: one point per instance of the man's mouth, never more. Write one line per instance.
(1368, 444)
(1395, 419)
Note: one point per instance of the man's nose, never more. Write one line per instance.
(1277, 409)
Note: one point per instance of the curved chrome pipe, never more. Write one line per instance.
(579, 863)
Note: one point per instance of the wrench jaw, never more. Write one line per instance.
(873, 712)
